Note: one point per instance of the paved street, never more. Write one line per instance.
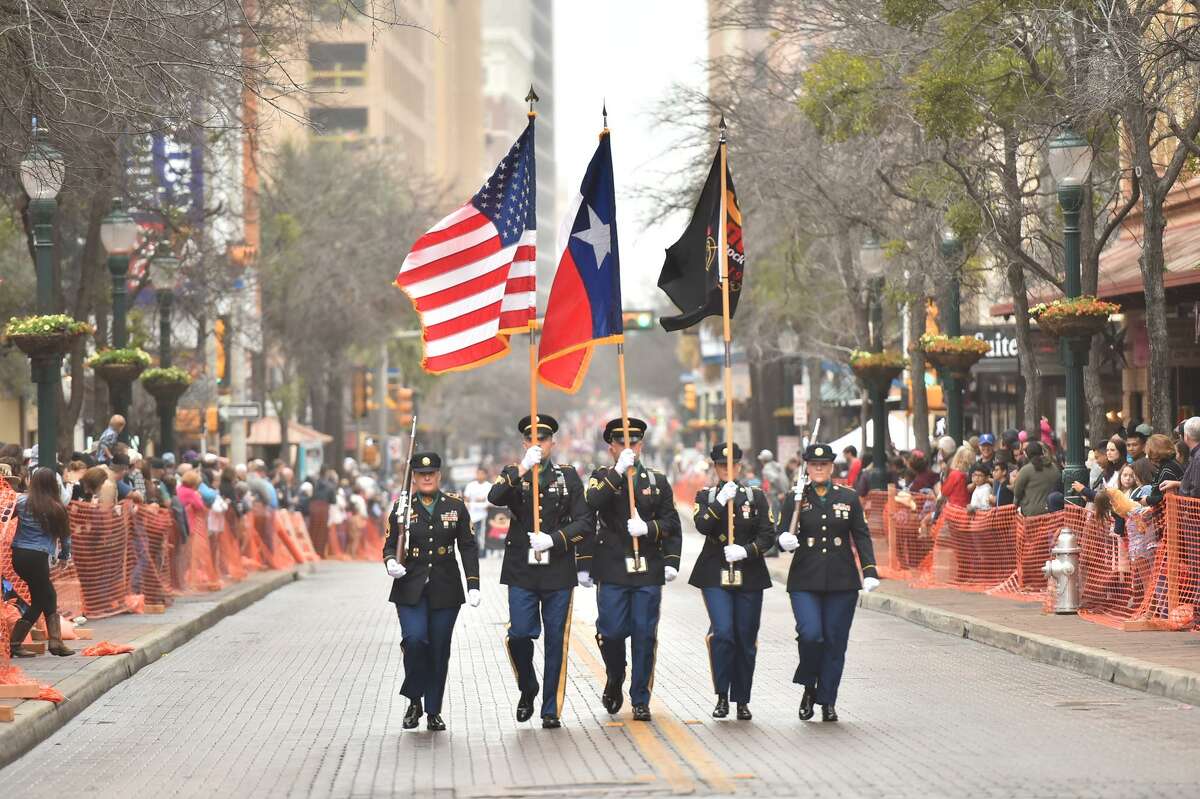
(296, 696)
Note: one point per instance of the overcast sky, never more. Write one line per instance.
(628, 53)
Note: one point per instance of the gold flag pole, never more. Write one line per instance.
(535, 428)
(731, 577)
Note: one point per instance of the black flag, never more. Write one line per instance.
(691, 273)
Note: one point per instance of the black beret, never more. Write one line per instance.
(818, 453)
(546, 424)
(635, 432)
(718, 453)
(425, 462)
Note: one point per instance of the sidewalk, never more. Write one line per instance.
(82, 680)
(1162, 663)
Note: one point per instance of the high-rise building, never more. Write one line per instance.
(518, 51)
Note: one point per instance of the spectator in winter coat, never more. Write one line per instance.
(1168, 473)
(1190, 483)
(1036, 481)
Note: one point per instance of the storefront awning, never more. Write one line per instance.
(1120, 274)
(265, 433)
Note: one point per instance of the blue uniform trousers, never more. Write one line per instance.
(629, 611)
(425, 638)
(524, 626)
(823, 621)
(733, 618)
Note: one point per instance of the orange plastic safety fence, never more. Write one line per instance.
(334, 549)
(975, 551)
(907, 519)
(260, 525)
(300, 530)
(153, 536)
(100, 548)
(202, 568)
(372, 543)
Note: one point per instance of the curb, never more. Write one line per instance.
(1168, 682)
(1141, 675)
(37, 721)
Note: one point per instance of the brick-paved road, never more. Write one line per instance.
(296, 696)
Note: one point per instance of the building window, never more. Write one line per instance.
(337, 65)
(341, 123)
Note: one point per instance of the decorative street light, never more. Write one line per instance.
(872, 259)
(951, 317)
(165, 270)
(119, 234)
(43, 171)
(1070, 161)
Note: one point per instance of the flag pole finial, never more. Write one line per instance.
(723, 126)
(604, 115)
(531, 98)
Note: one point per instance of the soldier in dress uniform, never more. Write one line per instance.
(427, 586)
(539, 567)
(734, 605)
(823, 581)
(630, 588)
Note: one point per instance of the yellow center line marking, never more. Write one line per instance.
(643, 736)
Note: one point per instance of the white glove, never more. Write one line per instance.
(870, 584)
(788, 542)
(625, 461)
(735, 552)
(727, 492)
(402, 501)
(540, 542)
(636, 527)
(585, 579)
(670, 573)
(532, 455)
(473, 597)
(394, 569)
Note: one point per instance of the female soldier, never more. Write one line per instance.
(427, 587)
(732, 575)
(823, 581)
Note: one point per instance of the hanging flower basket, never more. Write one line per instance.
(45, 335)
(1079, 317)
(954, 355)
(119, 366)
(166, 385)
(877, 370)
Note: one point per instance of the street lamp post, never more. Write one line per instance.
(871, 256)
(118, 234)
(951, 318)
(42, 174)
(1070, 161)
(165, 266)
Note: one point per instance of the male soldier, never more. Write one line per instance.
(539, 565)
(427, 587)
(734, 607)
(631, 575)
(823, 580)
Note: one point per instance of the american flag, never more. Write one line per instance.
(472, 277)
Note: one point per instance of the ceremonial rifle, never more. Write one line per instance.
(801, 484)
(402, 537)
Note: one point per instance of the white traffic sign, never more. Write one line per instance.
(240, 410)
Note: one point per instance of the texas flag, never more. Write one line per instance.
(585, 300)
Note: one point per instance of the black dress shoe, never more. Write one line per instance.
(612, 698)
(807, 702)
(550, 723)
(828, 713)
(641, 712)
(722, 708)
(743, 712)
(412, 716)
(525, 707)
(434, 723)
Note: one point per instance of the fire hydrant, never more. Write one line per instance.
(1064, 570)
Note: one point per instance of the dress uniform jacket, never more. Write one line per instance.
(662, 545)
(753, 528)
(824, 560)
(565, 516)
(429, 556)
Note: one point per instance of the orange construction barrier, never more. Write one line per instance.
(202, 571)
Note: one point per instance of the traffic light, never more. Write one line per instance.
(358, 392)
(689, 396)
(402, 403)
(369, 390)
(220, 330)
(637, 320)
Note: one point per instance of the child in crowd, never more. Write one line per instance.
(981, 490)
(1002, 484)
